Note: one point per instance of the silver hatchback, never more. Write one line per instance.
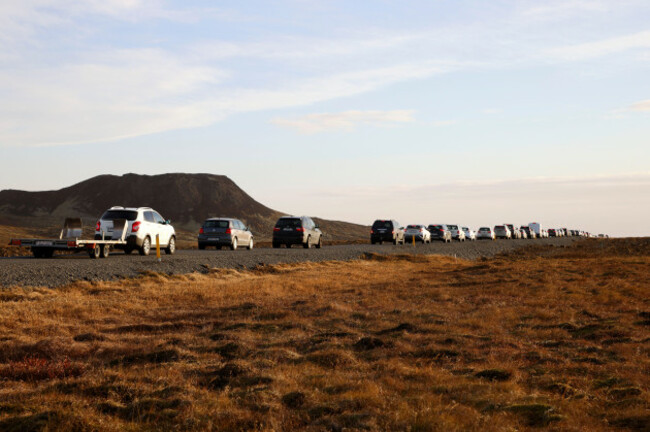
(220, 232)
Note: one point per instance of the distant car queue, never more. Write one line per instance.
(390, 231)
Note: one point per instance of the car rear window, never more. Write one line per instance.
(129, 215)
(382, 224)
(413, 227)
(499, 227)
(435, 227)
(484, 229)
(216, 224)
(452, 227)
(289, 222)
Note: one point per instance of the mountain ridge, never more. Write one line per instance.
(185, 198)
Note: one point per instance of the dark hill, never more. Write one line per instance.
(186, 199)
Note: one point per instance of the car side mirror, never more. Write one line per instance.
(168, 222)
(316, 227)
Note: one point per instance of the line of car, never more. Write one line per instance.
(145, 226)
(390, 231)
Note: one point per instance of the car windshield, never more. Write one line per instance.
(216, 224)
(413, 227)
(465, 229)
(289, 222)
(382, 224)
(129, 215)
(452, 227)
(484, 229)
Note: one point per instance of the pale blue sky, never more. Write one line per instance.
(471, 112)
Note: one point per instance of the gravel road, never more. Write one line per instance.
(63, 269)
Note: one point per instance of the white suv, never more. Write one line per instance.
(144, 223)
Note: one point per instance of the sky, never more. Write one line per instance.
(430, 111)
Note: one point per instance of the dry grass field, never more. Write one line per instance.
(547, 338)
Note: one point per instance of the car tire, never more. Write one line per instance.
(128, 250)
(395, 241)
(233, 245)
(104, 251)
(38, 253)
(320, 242)
(288, 245)
(171, 246)
(372, 242)
(201, 246)
(145, 249)
(276, 245)
(307, 244)
(250, 244)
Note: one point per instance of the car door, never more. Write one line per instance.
(150, 227)
(311, 227)
(162, 229)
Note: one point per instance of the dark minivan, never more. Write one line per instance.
(440, 232)
(290, 230)
(386, 230)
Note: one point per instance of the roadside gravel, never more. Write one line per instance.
(63, 269)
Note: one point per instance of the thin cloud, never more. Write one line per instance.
(348, 120)
(643, 105)
(601, 48)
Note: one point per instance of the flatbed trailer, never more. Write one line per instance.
(69, 241)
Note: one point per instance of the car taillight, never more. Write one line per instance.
(15, 242)
(201, 230)
(372, 231)
(228, 231)
(276, 229)
(72, 244)
(98, 226)
(300, 229)
(135, 227)
(392, 232)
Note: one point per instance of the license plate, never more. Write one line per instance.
(43, 243)
(288, 229)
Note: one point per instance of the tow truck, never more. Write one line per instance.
(69, 240)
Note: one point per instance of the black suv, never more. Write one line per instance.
(440, 232)
(290, 230)
(385, 230)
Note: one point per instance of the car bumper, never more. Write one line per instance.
(382, 237)
(225, 239)
(289, 238)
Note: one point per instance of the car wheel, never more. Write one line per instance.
(276, 245)
(201, 246)
(171, 246)
(233, 245)
(307, 244)
(146, 247)
(38, 253)
(288, 245)
(372, 242)
(128, 250)
(250, 244)
(395, 241)
(320, 242)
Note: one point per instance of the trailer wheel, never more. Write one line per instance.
(105, 251)
(95, 252)
(38, 253)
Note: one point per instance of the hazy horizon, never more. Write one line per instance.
(425, 111)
